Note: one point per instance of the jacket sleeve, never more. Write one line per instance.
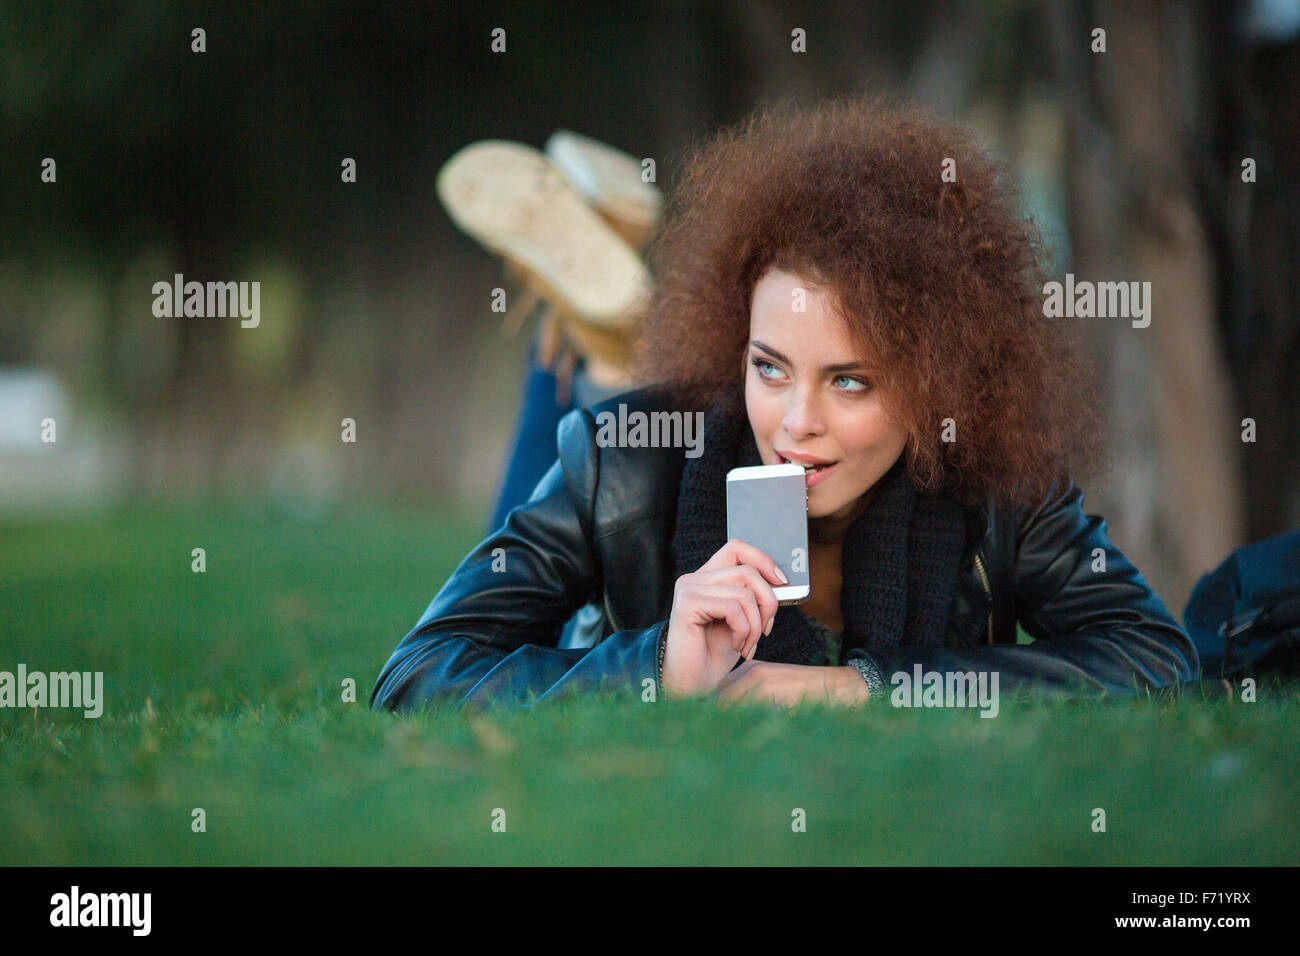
(491, 632)
(1098, 628)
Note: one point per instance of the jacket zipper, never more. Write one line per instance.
(610, 612)
(613, 622)
(984, 580)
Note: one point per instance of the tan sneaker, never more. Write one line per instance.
(514, 201)
(611, 181)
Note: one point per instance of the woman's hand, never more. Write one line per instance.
(788, 684)
(719, 613)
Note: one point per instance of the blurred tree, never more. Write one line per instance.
(1249, 56)
(216, 164)
(1155, 192)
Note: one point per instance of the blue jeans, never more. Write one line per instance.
(533, 446)
(533, 449)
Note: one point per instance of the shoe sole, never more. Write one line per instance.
(608, 178)
(513, 200)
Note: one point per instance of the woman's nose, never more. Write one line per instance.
(803, 417)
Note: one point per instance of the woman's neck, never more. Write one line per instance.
(831, 529)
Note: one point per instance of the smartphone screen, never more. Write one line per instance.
(767, 506)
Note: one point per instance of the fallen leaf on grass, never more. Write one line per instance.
(491, 737)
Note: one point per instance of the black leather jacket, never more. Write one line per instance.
(599, 528)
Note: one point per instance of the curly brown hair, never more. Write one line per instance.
(938, 282)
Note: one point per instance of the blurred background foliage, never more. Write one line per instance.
(226, 165)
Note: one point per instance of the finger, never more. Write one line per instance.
(748, 576)
(764, 595)
(745, 599)
(734, 676)
(750, 646)
(736, 551)
(707, 608)
(749, 601)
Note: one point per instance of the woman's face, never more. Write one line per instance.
(810, 397)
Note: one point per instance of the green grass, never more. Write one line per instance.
(223, 692)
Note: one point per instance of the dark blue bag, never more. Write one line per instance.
(1244, 616)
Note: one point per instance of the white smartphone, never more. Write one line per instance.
(767, 506)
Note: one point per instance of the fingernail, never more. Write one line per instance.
(780, 574)
(770, 621)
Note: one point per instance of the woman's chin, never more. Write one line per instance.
(822, 511)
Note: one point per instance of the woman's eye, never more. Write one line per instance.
(854, 384)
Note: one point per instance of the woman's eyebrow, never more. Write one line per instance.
(841, 367)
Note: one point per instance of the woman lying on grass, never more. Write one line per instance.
(825, 297)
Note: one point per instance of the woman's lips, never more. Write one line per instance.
(812, 478)
(815, 478)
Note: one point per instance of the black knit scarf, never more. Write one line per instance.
(900, 555)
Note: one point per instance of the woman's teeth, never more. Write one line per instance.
(806, 465)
